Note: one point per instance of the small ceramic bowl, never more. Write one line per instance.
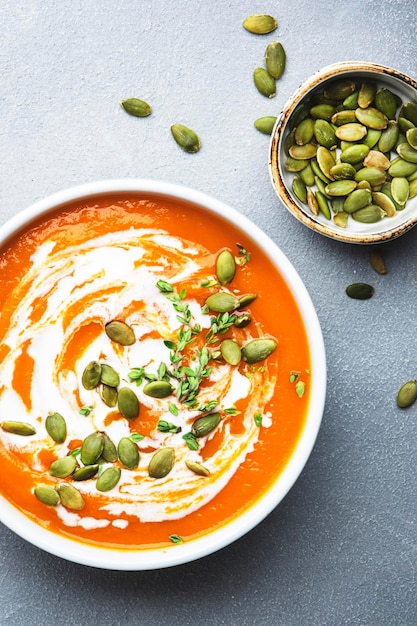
(354, 232)
(124, 558)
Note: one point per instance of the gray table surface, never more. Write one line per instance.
(341, 547)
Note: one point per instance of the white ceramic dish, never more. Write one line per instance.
(384, 230)
(178, 554)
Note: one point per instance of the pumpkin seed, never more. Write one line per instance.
(120, 333)
(325, 160)
(358, 199)
(128, 453)
(324, 133)
(400, 167)
(161, 463)
(345, 116)
(406, 152)
(341, 219)
(128, 403)
(389, 137)
(91, 375)
(136, 107)
(407, 394)
(340, 89)
(354, 153)
(258, 350)
(109, 452)
(222, 302)
(340, 187)
(312, 202)
(409, 111)
(322, 204)
(304, 152)
(374, 158)
(322, 111)
(385, 202)
(351, 132)
(158, 389)
(299, 188)
(47, 495)
(18, 428)
(412, 188)
(366, 94)
(411, 136)
(371, 118)
(295, 165)
(372, 137)
(369, 214)
(204, 425)
(275, 59)
(265, 124)
(246, 300)
(70, 497)
(373, 175)
(360, 291)
(230, 350)
(377, 261)
(108, 479)
(91, 448)
(304, 132)
(186, 138)
(56, 427)
(85, 473)
(264, 82)
(260, 24)
(341, 171)
(109, 376)
(385, 102)
(225, 267)
(108, 395)
(242, 321)
(61, 468)
(197, 468)
(400, 189)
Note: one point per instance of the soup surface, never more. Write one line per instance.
(135, 413)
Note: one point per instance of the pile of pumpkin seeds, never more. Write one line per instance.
(353, 151)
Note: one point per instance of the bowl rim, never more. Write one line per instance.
(277, 136)
(158, 558)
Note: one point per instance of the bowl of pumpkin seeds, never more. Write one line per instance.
(343, 153)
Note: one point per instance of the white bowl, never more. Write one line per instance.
(381, 231)
(122, 559)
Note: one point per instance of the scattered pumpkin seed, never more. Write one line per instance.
(128, 403)
(85, 473)
(360, 291)
(136, 107)
(377, 261)
(258, 350)
(222, 302)
(91, 375)
(225, 267)
(158, 389)
(18, 428)
(120, 332)
(231, 352)
(108, 395)
(197, 468)
(91, 448)
(108, 479)
(265, 124)
(161, 463)
(128, 453)
(202, 426)
(70, 497)
(264, 82)
(109, 452)
(260, 24)
(63, 467)
(407, 394)
(47, 495)
(56, 427)
(275, 59)
(186, 138)
(109, 376)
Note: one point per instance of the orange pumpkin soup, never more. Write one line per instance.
(154, 372)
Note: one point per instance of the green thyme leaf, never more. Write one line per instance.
(191, 441)
(168, 427)
(258, 418)
(300, 388)
(136, 437)
(86, 410)
(164, 286)
(176, 539)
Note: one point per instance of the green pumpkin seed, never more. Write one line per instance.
(158, 389)
(322, 112)
(186, 138)
(300, 113)
(161, 463)
(405, 124)
(369, 214)
(366, 94)
(343, 117)
(230, 351)
(372, 137)
(341, 171)
(407, 394)
(377, 261)
(47, 495)
(204, 425)
(312, 202)
(128, 453)
(341, 219)
(307, 175)
(389, 137)
(108, 395)
(340, 89)
(325, 160)
(265, 124)
(409, 111)
(374, 158)
(386, 190)
(371, 118)
(91, 375)
(61, 468)
(385, 202)
(91, 448)
(340, 187)
(373, 175)
(275, 59)
(385, 102)
(109, 376)
(242, 321)
(56, 427)
(246, 300)
(356, 200)
(70, 497)
(411, 136)
(400, 189)
(317, 172)
(324, 134)
(304, 132)
(18, 428)
(264, 82)
(225, 267)
(299, 188)
(258, 350)
(322, 204)
(351, 101)
(260, 24)
(354, 153)
(307, 151)
(406, 152)
(412, 188)
(222, 302)
(120, 333)
(295, 165)
(109, 452)
(128, 403)
(108, 479)
(197, 468)
(85, 473)
(136, 107)
(360, 291)
(351, 132)
(400, 167)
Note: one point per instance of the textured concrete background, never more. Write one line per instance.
(341, 548)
